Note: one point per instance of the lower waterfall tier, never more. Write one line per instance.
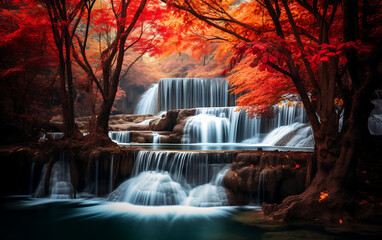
(139, 177)
(168, 178)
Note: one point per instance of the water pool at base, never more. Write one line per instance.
(26, 218)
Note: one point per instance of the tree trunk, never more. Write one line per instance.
(330, 179)
(337, 155)
(103, 117)
(92, 122)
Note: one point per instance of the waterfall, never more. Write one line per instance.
(211, 194)
(167, 178)
(297, 135)
(56, 135)
(145, 122)
(156, 137)
(148, 104)
(225, 125)
(182, 93)
(205, 128)
(52, 135)
(60, 186)
(120, 136)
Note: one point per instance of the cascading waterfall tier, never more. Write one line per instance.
(182, 93)
(148, 104)
(60, 186)
(120, 136)
(225, 125)
(176, 178)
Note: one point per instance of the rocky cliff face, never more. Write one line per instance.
(257, 176)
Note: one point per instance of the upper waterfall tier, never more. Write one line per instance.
(181, 93)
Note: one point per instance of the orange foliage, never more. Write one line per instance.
(323, 195)
(256, 55)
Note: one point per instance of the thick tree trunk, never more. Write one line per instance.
(103, 117)
(329, 196)
(92, 122)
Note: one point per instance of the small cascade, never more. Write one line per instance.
(205, 128)
(151, 188)
(212, 194)
(52, 135)
(261, 188)
(167, 178)
(120, 136)
(60, 180)
(145, 122)
(296, 135)
(60, 186)
(156, 137)
(56, 135)
(148, 104)
(225, 125)
(186, 167)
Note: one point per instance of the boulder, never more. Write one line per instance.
(166, 122)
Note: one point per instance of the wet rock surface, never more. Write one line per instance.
(257, 176)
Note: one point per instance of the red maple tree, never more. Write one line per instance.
(324, 51)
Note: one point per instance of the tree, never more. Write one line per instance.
(125, 25)
(27, 70)
(62, 16)
(300, 47)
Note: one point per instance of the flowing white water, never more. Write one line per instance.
(156, 137)
(211, 194)
(60, 186)
(120, 136)
(295, 135)
(148, 104)
(225, 125)
(145, 122)
(169, 178)
(181, 93)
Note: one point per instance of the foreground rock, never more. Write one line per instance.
(257, 176)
